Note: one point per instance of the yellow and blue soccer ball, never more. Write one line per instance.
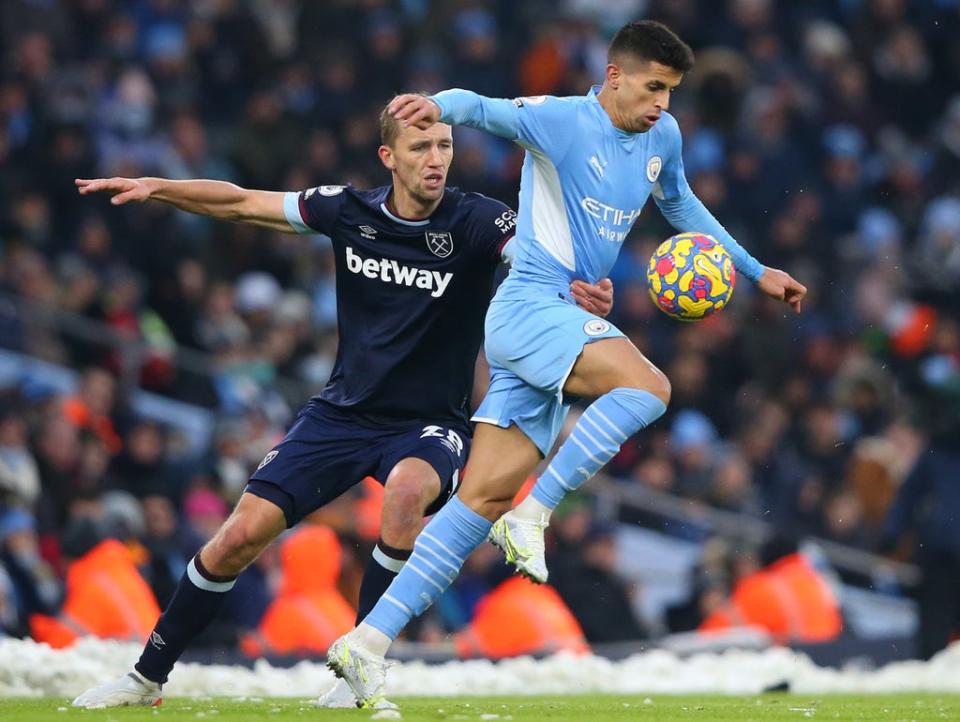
(691, 276)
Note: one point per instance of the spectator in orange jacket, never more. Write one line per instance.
(520, 617)
(787, 597)
(308, 613)
(91, 406)
(106, 597)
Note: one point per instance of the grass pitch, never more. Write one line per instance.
(603, 708)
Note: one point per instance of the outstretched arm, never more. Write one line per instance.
(685, 212)
(543, 123)
(458, 107)
(689, 214)
(217, 199)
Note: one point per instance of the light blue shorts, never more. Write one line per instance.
(532, 345)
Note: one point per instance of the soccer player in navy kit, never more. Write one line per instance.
(415, 269)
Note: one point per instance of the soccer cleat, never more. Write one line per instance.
(340, 696)
(364, 671)
(521, 541)
(130, 689)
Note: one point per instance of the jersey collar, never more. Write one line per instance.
(445, 202)
(628, 140)
(403, 221)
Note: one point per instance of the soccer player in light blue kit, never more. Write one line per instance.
(591, 163)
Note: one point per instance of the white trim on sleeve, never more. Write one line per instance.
(291, 209)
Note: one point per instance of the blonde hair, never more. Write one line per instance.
(389, 127)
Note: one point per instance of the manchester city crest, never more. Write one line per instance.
(595, 327)
(440, 243)
(653, 168)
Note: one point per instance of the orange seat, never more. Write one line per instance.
(789, 599)
(367, 510)
(520, 617)
(106, 597)
(308, 613)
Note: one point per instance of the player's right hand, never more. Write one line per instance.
(125, 189)
(416, 110)
(597, 298)
(783, 287)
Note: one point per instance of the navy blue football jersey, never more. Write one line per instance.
(411, 297)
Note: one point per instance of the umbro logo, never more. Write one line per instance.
(597, 165)
(368, 232)
(268, 458)
(157, 641)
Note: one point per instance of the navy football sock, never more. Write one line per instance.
(195, 602)
(384, 565)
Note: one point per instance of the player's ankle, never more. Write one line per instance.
(143, 678)
(532, 509)
(371, 639)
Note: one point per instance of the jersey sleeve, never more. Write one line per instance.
(686, 212)
(543, 123)
(314, 210)
(492, 227)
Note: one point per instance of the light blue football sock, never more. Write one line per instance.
(596, 438)
(438, 554)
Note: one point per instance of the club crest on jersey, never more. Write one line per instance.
(595, 327)
(440, 243)
(268, 458)
(653, 168)
(367, 232)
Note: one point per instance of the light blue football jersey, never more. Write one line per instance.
(584, 183)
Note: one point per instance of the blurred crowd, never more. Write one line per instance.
(825, 135)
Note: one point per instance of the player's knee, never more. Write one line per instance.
(400, 510)
(652, 381)
(406, 495)
(660, 387)
(404, 503)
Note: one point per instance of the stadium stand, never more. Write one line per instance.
(149, 359)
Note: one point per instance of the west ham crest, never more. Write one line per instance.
(440, 243)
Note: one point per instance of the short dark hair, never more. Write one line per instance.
(650, 40)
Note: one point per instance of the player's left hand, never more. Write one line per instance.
(783, 287)
(596, 298)
(417, 110)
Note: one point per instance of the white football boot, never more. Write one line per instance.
(130, 689)
(340, 696)
(363, 671)
(521, 541)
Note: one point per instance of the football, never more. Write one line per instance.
(690, 276)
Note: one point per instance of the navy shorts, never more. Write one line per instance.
(328, 450)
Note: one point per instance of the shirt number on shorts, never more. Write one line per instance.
(448, 437)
